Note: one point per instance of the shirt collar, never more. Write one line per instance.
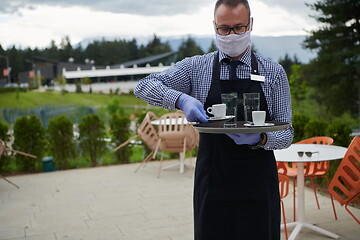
(245, 58)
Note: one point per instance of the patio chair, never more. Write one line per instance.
(311, 170)
(148, 135)
(176, 136)
(284, 191)
(345, 185)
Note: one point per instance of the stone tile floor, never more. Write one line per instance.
(116, 203)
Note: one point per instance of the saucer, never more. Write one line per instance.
(219, 119)
(264, 125)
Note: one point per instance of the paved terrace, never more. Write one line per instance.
(115, 203)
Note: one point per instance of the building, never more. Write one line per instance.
(46, 71)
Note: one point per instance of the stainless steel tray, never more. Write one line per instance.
(218, 127)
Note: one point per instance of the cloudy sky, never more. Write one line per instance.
(34, 23)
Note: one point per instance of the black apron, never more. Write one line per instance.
(236, 193)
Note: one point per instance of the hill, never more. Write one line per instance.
(270, 47)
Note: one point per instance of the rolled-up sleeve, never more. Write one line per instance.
(281, 111)
(163, 89)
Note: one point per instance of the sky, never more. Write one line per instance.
(35, 23)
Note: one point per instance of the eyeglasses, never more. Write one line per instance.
(308, 154)
(238, 29)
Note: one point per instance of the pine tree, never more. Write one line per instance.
(336, 69)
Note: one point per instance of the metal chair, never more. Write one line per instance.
(345, 185)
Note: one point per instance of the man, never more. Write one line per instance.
(236, 192)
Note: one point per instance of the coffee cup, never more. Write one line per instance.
(258, 118)
(218, 110)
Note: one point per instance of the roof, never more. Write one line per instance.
(143, 61)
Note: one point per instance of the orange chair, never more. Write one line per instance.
(345, 185)
(176, 136)
(311, 170)
(284, 191)
(148, 135)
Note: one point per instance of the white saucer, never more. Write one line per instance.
(219, 119)
(264, 125)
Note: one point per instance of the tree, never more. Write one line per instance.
(61, 82)
(287, 63)
(29, 137)
(188, 48)
(92, 134)
(119, 128)
(336, 68)
(154, 47)
(61, 139)
(212, 47)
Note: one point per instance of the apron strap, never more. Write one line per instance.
(216, 66)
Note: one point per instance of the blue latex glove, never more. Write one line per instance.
(192, 108)
(245, 138)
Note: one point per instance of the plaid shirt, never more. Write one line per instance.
(193, 76)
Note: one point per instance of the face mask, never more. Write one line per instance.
(233, 45)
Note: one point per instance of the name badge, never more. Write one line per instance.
(257, 78)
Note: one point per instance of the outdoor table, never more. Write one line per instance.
(320, 153)
(181, 162)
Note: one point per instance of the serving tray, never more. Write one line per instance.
(218, 127)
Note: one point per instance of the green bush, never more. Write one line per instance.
(92, 134)
(30, 138)
(315, 127)
(299, 122)
(119, 129)
(78, 87)
(12, 89)
(340, 132)
(4, 136)
(61, 139)
(114, 107)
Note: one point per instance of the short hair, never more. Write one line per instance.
(232, 3)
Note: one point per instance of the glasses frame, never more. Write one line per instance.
(233, 29)
(308, 154)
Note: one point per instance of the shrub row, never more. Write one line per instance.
(58, 140)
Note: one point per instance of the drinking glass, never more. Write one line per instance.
(251, 103)
(231, 101)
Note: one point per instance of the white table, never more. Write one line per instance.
(167, 121)
(323, 153)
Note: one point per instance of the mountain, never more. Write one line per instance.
(274, 48)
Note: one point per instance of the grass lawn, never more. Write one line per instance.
(28, 100)
(36, 99)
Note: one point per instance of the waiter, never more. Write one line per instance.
(236, 193)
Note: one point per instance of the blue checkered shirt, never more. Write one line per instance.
(193, 76)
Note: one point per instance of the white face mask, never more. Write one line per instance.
(233, 45)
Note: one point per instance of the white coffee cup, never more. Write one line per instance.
(258, 117)
(218, 110)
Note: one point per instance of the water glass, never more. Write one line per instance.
(251, 103)
(231, 101)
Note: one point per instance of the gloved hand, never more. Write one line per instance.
(192, 108)
(245, 138)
